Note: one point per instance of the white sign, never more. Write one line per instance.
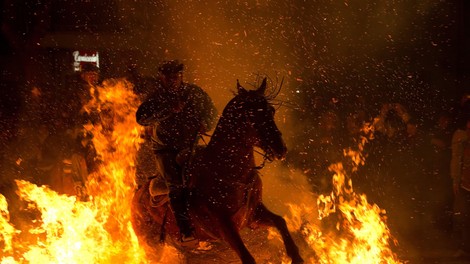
(81, 57)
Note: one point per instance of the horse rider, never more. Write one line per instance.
(178, 112)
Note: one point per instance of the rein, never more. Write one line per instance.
(201, 134)
(265, 158)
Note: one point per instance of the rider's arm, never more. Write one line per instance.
(208, 111)
(151, 112)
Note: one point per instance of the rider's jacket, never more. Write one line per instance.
(173, 129)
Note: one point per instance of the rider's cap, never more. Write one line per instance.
(171, 67)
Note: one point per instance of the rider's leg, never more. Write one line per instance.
(167, 165)
(178, 202)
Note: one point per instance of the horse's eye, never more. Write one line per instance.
(272, 110)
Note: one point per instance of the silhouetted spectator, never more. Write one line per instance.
(460, 172)
(437, 163)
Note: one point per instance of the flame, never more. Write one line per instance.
(7, 231)
(67, 229)
(360, 233)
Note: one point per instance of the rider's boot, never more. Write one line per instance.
(180, 210)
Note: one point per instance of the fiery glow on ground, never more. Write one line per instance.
(64, 229)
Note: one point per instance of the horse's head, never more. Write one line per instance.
(259, 115)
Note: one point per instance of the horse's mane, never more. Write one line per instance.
(242, 98)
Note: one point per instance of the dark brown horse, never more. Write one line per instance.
(225, 186)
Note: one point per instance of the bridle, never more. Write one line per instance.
(265, 158)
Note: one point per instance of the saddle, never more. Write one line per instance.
(158, 191)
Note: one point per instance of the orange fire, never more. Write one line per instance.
(359, 234)
(66, 229)
(98, 230)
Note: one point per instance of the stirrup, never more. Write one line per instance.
(158, 201)
(189, 241)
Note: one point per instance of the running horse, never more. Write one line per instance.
(225, 187)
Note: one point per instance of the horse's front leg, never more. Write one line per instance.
(230, 234)
(265, 217)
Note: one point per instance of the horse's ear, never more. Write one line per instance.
(240, 89)
(262, 87)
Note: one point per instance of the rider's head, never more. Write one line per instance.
(171, 74)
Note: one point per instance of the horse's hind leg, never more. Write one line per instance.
(268, 218)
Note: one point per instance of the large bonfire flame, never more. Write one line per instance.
(99, 229)
(67, 229)
(360, 234)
